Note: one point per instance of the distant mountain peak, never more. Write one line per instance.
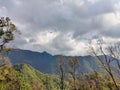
(44, 52)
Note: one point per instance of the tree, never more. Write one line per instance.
(106, 53)
(114, 51)
(74, 64)
(61, 71)
(7, 29)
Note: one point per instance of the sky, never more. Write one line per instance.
(62, 26)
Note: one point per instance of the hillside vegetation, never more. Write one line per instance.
(24, 77)
(87, 75)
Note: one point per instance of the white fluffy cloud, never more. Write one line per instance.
(62, 26)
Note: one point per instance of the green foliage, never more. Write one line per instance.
(7, 29)
(8, 78)
(24, 77)
(95, 81)
(31, 79)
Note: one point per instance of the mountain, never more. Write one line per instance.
(25, 77)
(46, 62)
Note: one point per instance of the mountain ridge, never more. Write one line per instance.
(25, 77)
(46, 62)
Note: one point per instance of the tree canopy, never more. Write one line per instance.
(7, 29)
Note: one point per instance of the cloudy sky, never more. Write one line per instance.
(62, 26)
